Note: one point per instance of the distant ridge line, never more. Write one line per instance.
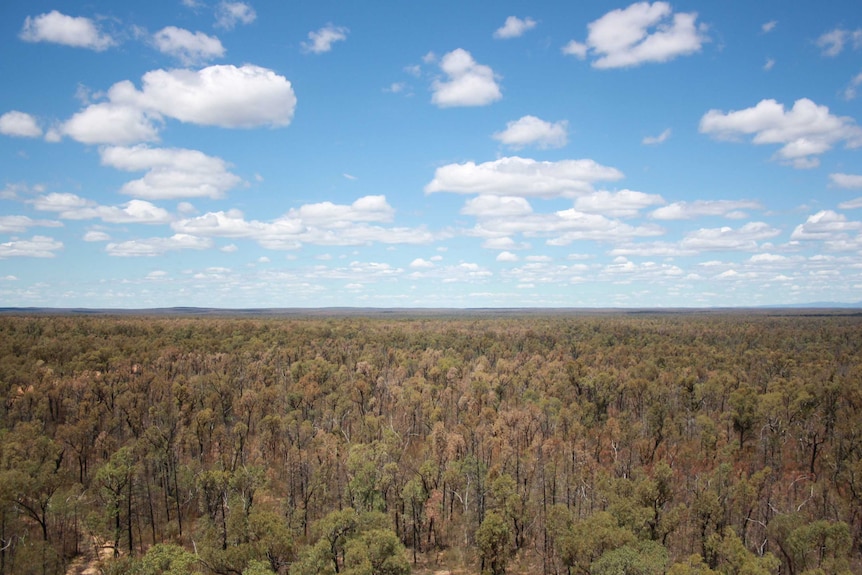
(818, 308)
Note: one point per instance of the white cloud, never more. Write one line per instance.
(622, 204)
(15, 123)
(468, 83)
(327, 214)
(35, 247)
(577, 226)
(501, 242)
(229, 14)
(225, 95)
(848, 181)
(514, 27)
(825, 225)
(652, 249)
(188, 47)
(20, 224)
(652, 140)
(320, 224)
(769, 26)
(645, 271)
(524, 177)
(850, 91)
(770, 63)
(768, 259)
(804, 131)
(576, 49)
(832, 43)
(72, 207)
(322, 40)
(496, 206)
(560, 228)
(107, 123)
(507, 257)
(58, 28)
(420, 263)
(157, 246)
(530, 130)
(699, 208)
(171, 173)
(641, 33)
(727, 238)
(96, 236)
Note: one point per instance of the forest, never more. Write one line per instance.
(562, 444)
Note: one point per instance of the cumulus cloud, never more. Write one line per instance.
(108, 123)
(769, 26)
(171, 173)
(323, 223)
(559, 228)
(622, 204)
(327, 214)
(832, 43)
(321, 41)
(726, 238)
(468, 83)
(96, 236)
(653, 140)
(825, 225)
(35, 247)
(502, 243)
(848, 181)
(496, 206)
(524, 177)
(19, 124)
(150, 247)
(804, 131)
(651, 249)
(507, 257)
(514, 27)
(188, 47)
(227, 96)
(73, 207)
(58, 28)
(420, 263)
(20, 224)
(229, 14)
(690, 210)
(530, 130)
(641, 33)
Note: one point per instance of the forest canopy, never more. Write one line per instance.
(563, 444)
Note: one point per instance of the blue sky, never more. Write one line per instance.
(430, 154)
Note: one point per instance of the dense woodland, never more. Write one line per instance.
(579, 445)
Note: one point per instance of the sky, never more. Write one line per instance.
(430, 154)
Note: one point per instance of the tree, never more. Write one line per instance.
(376, 552)
(493, 540)
(641, 558)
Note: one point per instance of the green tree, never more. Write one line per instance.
(376, 552)
(641, 558)
(493, 539)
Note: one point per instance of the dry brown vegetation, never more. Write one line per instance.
(594, 445)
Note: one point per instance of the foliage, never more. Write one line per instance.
(691, 444)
